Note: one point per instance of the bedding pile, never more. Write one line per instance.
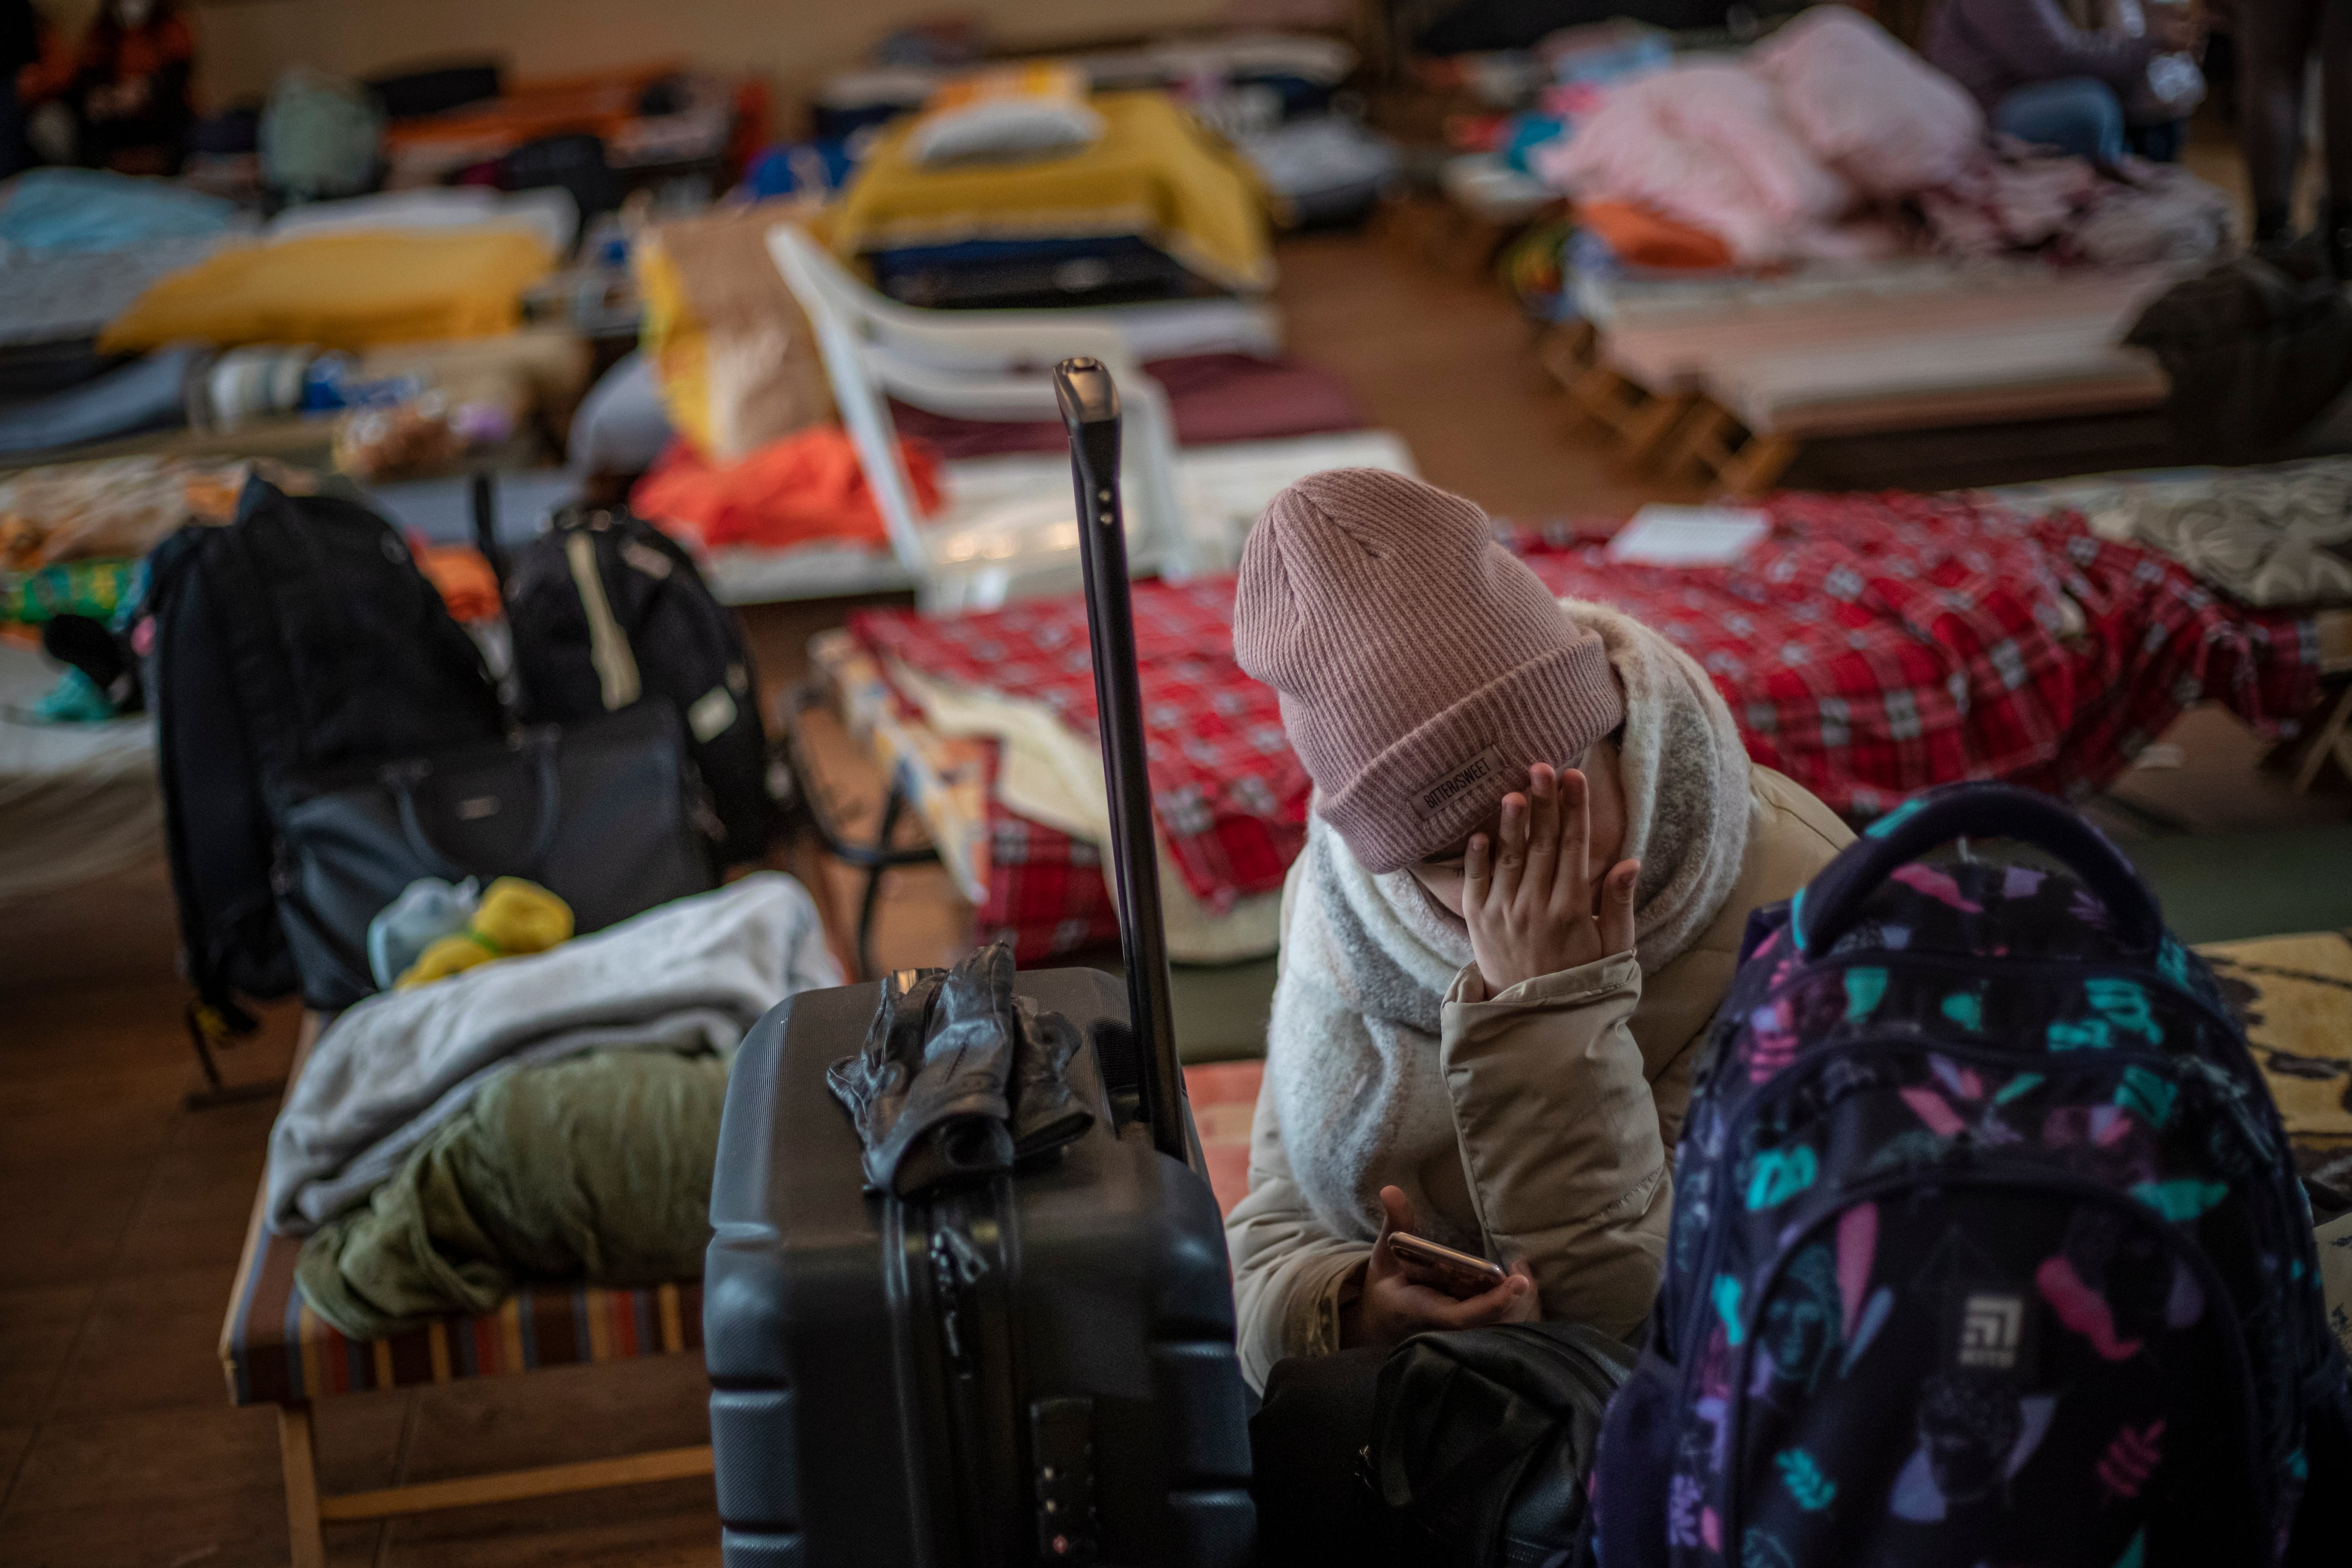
(597, 1168)
(689, 976)
(1831, 141)
(1153, 176)
(2271, 537)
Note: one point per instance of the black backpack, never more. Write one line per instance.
(299, 638)
(606, 608)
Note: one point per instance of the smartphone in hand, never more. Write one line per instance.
(1458, 1274)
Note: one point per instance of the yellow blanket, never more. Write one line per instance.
(1155, 173)
(2293, 993)
(341, 292)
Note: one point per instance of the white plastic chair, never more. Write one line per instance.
(989, 366)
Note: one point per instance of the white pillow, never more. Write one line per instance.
(1004, 131)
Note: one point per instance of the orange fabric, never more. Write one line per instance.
(599, 104)
(467, 584)
(798, 490)
(1644, 239)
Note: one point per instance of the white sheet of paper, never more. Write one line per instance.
(1687, 536)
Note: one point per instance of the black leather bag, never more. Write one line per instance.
(1481, 1439)
(603, 814)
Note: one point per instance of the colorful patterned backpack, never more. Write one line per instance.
(1987, 1248)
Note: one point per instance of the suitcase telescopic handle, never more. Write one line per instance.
(1090, 408)
(1829, 907)
(482, 495)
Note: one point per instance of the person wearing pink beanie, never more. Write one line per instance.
(1534, 843)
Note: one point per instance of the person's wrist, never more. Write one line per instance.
(1350, 1305)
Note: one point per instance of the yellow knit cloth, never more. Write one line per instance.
(515, 917)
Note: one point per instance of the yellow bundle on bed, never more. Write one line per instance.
(342, 292)
(1155, 172)
(515, 917)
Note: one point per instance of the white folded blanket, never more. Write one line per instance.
(690, 974)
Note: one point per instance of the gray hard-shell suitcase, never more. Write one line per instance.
(1031, 1367)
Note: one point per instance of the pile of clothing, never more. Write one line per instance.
(73, 540)
(551, 1115)
(1527, 100)
(1831, 140)
(726, 409)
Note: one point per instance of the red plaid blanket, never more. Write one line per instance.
(1230, 796)
(1047, 894)
(1871, 647)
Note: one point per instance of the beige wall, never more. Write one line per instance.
(245, 42)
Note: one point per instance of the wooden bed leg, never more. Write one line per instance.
(1700, 443)
(295, 1453)
(1756, 465)
(1650, 427)
(1567, 349)
(1602, 395)
(2334, 738)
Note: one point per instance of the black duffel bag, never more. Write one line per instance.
(602, 813)
(1457, 1448)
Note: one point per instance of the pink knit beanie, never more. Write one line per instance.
(1422, 668)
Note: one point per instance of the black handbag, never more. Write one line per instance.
(606, 815)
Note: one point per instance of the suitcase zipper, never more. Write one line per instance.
(960, 1266)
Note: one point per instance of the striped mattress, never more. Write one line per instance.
(273, 1349)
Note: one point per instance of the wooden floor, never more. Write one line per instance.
(120, 1214)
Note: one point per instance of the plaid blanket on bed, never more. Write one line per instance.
(1229, 795)
(1871, 647)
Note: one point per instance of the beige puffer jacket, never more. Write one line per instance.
(1566, 1092)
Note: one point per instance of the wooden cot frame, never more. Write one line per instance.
(1695, 429)
(308, 1510)
(1669, 433)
